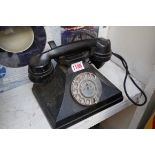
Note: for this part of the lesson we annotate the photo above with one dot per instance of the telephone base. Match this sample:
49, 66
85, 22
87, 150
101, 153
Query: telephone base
58, 105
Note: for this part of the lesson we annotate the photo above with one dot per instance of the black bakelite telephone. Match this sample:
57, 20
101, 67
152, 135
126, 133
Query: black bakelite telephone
74, 89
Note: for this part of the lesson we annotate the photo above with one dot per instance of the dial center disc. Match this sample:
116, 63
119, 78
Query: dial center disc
86, 88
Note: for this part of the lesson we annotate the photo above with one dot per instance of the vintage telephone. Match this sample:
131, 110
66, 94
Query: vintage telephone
73, 89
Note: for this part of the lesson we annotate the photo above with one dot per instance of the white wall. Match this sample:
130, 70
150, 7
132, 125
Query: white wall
137, 46
103, 31
53, 33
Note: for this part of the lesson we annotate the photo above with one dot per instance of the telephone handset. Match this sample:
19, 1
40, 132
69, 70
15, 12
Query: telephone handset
96, 51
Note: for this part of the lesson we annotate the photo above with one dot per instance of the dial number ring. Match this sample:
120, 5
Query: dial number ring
86, 89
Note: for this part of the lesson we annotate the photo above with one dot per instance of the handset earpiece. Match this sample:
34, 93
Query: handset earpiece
102, 52
40, 69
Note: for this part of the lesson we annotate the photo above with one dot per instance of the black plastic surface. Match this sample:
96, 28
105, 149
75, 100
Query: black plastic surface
58, 105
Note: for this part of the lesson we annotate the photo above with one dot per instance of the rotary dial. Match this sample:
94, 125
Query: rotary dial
86, 88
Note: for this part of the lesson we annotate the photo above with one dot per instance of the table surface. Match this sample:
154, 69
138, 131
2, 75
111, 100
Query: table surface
19, 108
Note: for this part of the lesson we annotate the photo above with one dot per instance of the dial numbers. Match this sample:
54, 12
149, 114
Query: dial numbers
86, 88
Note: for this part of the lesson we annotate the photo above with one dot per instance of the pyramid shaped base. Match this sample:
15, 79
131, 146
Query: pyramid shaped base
58, 105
